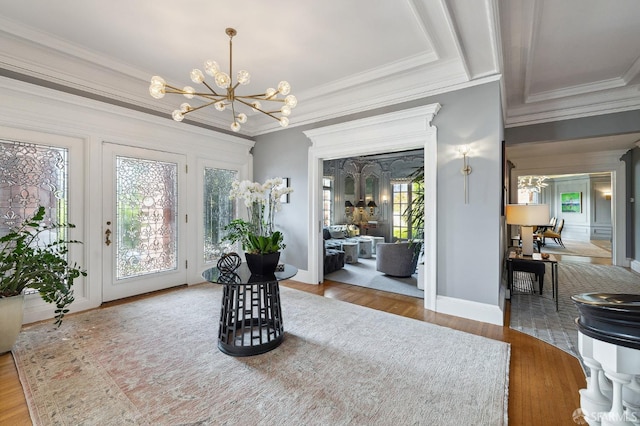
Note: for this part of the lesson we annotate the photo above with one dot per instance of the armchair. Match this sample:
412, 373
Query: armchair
397, 259
556, 235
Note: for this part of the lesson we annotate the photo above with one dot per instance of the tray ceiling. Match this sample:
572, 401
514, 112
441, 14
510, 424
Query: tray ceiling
555, 59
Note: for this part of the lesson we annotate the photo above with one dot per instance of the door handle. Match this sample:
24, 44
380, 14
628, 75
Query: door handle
107, 234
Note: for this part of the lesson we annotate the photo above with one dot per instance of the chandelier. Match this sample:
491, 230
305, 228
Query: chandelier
532, 183
227, 97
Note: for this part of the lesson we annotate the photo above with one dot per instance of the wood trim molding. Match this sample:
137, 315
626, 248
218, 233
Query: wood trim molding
397, 131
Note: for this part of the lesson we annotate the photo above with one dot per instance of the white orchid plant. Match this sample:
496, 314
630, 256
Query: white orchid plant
257, 235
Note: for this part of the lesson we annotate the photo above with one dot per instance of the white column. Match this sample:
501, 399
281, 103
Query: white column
592, 399
622, 366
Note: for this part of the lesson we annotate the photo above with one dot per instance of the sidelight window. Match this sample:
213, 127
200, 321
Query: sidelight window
219, 210
327, 200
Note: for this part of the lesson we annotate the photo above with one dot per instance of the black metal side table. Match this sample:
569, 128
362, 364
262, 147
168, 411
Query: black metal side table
250, 316
519, 262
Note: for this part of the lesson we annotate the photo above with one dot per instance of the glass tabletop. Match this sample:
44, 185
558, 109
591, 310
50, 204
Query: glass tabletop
242, 275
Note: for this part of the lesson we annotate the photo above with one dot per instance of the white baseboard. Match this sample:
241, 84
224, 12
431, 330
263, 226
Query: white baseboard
36, 309
303, 276
475, 311
635, 265
492, 314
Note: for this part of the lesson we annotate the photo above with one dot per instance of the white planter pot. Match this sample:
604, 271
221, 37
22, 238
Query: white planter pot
11, 315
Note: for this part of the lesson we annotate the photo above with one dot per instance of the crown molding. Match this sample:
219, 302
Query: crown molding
69, 111
32, 56
343, 104
580, 89
604, 161
588, 105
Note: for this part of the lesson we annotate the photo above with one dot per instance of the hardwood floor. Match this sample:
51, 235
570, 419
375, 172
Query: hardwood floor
543, 380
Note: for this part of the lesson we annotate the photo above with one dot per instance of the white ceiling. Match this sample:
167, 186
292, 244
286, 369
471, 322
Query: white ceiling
558, 59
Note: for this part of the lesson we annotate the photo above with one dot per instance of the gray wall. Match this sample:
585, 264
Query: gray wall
594, 220
284, 154
578, 128
469, 235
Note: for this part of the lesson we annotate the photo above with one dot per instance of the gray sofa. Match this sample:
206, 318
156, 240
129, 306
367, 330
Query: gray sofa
397, 259
334, 257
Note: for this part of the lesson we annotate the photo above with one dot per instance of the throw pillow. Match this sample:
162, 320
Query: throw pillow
337, 234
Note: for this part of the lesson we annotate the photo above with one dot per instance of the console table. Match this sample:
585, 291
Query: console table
535, 264
250, 315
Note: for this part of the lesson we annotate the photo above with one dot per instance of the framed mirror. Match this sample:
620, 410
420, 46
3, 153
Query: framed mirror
372, 189
349, 188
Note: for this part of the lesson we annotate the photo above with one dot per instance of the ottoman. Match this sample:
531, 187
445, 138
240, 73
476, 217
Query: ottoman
366, 248
350, 252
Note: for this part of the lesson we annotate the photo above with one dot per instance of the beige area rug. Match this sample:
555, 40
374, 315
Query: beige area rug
155, 362
578, 248
536, 315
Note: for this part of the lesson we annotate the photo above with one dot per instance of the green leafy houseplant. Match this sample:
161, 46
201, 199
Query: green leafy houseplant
257, 234
415, 211
26, 262
239, 231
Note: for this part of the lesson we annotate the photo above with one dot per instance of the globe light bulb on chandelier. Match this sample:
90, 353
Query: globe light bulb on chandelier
227, 97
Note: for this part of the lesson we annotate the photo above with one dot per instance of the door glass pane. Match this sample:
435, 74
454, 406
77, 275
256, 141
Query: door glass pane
219, 210
146, 208
31, 176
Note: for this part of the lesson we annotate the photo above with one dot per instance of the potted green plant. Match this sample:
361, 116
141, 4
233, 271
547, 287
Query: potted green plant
27, 261
415, 215
257, 236
415, 210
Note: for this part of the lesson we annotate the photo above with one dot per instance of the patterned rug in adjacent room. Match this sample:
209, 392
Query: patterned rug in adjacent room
155, 362
536, 315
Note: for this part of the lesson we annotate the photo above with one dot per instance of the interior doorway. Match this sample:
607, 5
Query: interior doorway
383, 184
399, 131
585, 221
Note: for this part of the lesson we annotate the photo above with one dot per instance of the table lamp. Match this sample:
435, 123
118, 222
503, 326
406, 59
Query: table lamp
527, 216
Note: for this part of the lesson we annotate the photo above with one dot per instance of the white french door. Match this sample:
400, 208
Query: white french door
143, 221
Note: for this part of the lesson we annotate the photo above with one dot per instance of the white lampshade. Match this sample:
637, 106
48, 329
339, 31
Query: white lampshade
528, 214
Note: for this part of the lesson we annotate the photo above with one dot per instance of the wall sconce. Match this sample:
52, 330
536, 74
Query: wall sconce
372, 205
607, 196
464, 150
